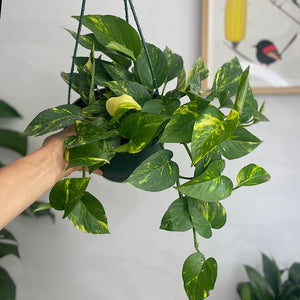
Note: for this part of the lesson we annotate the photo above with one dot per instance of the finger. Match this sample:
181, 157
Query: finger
98, 172
68, 131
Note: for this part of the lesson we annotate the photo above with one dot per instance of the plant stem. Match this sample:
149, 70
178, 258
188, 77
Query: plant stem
83, 172
188, 151
178, 184
196, 244
75, 50
145, 47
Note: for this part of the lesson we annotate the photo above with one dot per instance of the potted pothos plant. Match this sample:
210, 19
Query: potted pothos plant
128, 109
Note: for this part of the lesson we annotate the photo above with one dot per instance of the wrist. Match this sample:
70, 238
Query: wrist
54, 151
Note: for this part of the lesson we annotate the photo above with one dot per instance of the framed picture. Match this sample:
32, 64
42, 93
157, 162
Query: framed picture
262, 34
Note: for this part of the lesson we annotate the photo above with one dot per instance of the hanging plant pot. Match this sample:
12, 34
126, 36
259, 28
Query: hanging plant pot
123, 164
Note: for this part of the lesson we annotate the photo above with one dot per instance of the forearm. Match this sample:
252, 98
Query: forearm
25, 180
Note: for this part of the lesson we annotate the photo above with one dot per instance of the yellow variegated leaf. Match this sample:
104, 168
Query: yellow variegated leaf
210, 130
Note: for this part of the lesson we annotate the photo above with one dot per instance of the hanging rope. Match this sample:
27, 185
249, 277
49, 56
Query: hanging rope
75, 49
127, 18
145, 47
126, 11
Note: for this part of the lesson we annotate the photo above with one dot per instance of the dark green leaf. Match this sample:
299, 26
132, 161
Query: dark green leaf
227, 78
252, 175
91, 66
80, 62
194, 86
177, 217
170, 106
260, 286
6, 235
194, 97
137, 91
86, 155
272, 274
180, 127
40, 209
203, 163
101, 75
215, 213
88, 215
154, 106
210, 130
209, 186
7, 111
258, 115
67, 192
175, 64
114, 33
88, 133
239, 144
211, 190
53, 119
87, 79
156, 173
8, 248
159, 65
75, 81
42, 206
161, 106
116, 72
94, 110
250, 107
107, 146
225, 101
199, 68
7, 286
200, 223
290, 291
141, 128
294, 274
199, 276
89, 41
242, 92
181, 81
13, 140
124, 104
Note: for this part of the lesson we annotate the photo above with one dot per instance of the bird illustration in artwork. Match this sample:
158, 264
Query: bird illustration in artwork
267, 53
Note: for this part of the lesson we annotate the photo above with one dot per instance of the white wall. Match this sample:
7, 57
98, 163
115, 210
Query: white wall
138, 261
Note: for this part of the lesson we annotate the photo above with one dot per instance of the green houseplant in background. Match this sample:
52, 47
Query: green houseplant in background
270, 285
17, 142
134, 95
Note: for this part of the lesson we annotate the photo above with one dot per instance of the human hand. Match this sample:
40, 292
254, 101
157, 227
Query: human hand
55, 144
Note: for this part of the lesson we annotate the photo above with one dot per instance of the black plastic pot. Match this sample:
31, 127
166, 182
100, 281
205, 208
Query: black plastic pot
123, 164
